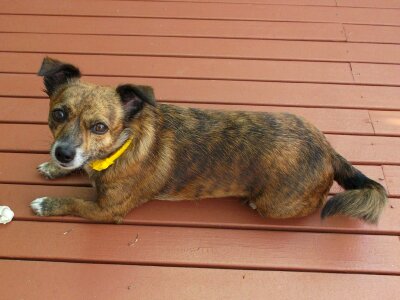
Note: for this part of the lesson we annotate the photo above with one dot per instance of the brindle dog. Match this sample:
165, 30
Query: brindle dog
279, 163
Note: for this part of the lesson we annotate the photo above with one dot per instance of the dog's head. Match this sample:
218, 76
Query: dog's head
88, 121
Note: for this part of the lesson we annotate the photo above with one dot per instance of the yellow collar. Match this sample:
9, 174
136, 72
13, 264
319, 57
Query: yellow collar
102, 164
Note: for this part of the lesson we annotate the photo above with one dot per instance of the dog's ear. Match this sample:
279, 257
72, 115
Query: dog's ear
56, 73
133, 97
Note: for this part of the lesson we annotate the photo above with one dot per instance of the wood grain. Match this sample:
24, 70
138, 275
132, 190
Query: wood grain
200, 247
199, 47
37, 280
232, 92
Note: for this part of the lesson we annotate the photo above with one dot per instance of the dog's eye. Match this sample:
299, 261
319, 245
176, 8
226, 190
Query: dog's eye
99, 128
59, 115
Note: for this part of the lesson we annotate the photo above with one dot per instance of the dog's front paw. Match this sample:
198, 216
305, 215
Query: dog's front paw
38, 205
50, 171
47, 206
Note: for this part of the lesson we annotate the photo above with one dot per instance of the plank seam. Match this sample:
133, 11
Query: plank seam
204, 266
274, 228
209, 56
187, 18
235, 80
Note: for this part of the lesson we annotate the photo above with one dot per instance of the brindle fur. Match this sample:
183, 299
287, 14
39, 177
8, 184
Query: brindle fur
277, 161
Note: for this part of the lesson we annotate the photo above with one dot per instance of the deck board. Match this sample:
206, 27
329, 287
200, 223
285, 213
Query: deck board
198, 47
373, 34
334, 62
173, 27
220, 248
212, 11
233, 92
392, 173
37, 280
192, 68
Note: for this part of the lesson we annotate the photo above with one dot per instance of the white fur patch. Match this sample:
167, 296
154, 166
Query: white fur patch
252, 205
36, 205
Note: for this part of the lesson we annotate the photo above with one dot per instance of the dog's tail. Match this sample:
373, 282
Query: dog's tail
364, 198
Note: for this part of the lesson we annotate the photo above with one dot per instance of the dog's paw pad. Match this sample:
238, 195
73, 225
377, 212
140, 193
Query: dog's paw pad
46, 170
37, 205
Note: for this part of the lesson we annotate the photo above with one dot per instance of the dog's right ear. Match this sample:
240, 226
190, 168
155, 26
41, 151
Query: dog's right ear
56, 73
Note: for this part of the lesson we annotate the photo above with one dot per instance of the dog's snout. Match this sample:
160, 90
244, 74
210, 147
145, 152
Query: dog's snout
65, 154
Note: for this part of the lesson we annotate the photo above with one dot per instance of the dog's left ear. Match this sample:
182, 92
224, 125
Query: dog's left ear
56, 73
134, 97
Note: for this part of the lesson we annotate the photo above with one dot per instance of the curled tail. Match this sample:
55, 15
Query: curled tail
364, 198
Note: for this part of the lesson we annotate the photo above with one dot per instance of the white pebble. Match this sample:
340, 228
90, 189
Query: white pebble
6, 214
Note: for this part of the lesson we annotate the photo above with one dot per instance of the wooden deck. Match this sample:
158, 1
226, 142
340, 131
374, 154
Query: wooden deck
335, 62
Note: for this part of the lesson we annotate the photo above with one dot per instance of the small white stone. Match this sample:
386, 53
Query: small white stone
6, 214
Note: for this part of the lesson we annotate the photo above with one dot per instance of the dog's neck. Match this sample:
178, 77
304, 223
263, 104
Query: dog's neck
102, 164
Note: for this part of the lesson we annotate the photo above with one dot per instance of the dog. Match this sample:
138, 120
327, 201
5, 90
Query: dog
135, 150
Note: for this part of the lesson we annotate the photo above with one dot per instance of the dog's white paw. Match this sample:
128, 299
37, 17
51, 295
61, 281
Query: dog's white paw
252, 205
37, 205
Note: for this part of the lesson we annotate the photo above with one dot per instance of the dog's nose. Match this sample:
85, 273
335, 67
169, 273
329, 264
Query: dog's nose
65, 154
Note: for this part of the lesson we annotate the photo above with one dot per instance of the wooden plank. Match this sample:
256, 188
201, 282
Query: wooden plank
12, 163
392, 173
200, 47
265, 2
220, 11
369, 3
33, 138
328, 120
24, 110
218, 213
121, 282
367, 149
190, 68
376, 73
228, 92
372, 34
386, 122
173, 27
21, 168
358, 149
201, 247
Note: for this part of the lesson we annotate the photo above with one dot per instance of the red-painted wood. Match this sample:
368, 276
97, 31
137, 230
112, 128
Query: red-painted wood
173, 27
191, 68
194, 10
372, 34
177, 246
369, 3
50, 280
376, 73
232, 92
386, 122
392, 173
199, 47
